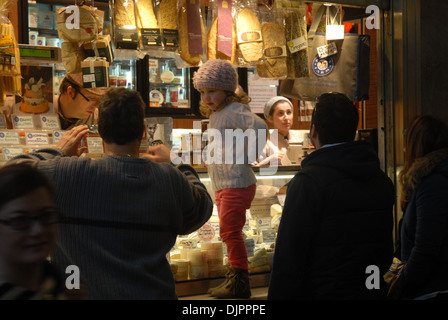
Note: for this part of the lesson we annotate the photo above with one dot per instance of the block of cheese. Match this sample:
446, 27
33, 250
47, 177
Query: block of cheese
276, 209
146, 17
168, 14
212, 44
274, 49
249, 35
184, 50
124, 13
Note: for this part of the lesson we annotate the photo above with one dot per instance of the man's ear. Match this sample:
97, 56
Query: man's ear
314, 136
71, 92
313, 132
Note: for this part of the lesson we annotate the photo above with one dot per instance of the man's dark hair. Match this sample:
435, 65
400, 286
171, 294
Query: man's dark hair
121, 116
335, 118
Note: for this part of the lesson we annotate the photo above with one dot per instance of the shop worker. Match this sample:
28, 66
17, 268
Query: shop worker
278, 112
337, 219
121, 213
77, 105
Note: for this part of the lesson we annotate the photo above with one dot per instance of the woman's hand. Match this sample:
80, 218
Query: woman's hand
71, 140
280, 156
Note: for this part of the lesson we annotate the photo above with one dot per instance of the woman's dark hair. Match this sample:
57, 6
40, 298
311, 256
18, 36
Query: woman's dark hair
121, 116
335, 118
18, 179
425, 134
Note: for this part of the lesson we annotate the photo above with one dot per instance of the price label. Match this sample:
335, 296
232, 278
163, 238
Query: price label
206, 232
335, 32
50, 122
23, 122
36, 138
57, 135
94, 144
297, 44
9, 153
9, 137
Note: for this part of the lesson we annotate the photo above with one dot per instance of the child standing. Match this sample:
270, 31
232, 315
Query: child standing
234, 183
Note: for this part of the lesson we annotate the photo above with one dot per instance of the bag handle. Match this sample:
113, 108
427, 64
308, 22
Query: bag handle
316, 21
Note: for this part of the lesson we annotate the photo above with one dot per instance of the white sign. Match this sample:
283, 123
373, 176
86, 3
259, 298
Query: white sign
9, 137
22, 122
9, 153
260, 91
50, 122
39, 138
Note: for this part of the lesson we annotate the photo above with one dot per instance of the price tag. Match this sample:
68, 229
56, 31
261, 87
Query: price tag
183, 104
22, 122
335, 32
264, 223
327, 50
189, 243
57, 135
39, 138
269, 235
9, 153
297, 44
9, 137
94, 144
206, 232
50, 122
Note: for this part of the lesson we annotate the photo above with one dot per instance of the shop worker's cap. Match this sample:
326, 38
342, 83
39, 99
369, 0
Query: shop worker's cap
271, 102
76, 78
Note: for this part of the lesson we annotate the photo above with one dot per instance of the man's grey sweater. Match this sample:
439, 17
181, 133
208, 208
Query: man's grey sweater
121, 216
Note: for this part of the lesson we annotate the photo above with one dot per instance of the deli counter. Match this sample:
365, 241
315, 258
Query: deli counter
198, 260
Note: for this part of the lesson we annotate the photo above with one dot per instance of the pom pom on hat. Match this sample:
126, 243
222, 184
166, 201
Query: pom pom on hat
271, 102
216, 74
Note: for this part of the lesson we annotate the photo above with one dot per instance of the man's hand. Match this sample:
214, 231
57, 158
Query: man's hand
158, 153
71, 140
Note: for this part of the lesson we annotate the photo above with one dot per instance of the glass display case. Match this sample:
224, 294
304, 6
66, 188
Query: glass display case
198, 260
167, 89
38, 20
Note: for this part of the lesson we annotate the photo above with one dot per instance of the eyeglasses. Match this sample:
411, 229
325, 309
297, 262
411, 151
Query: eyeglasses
87, 99
25, 222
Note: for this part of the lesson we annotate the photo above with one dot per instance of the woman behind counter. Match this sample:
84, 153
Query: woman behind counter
278, 111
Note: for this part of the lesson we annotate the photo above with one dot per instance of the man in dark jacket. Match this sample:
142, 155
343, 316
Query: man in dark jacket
337, 219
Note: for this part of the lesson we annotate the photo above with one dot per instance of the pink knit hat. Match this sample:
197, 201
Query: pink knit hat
216, 74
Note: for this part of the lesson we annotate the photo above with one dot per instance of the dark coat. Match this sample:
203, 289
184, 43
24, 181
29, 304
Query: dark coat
337, 221
424, 226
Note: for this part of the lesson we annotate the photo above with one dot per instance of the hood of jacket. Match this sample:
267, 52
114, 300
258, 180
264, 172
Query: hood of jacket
424, 166
356, 159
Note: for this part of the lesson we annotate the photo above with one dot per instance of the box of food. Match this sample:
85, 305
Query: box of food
95, 72
100, 47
